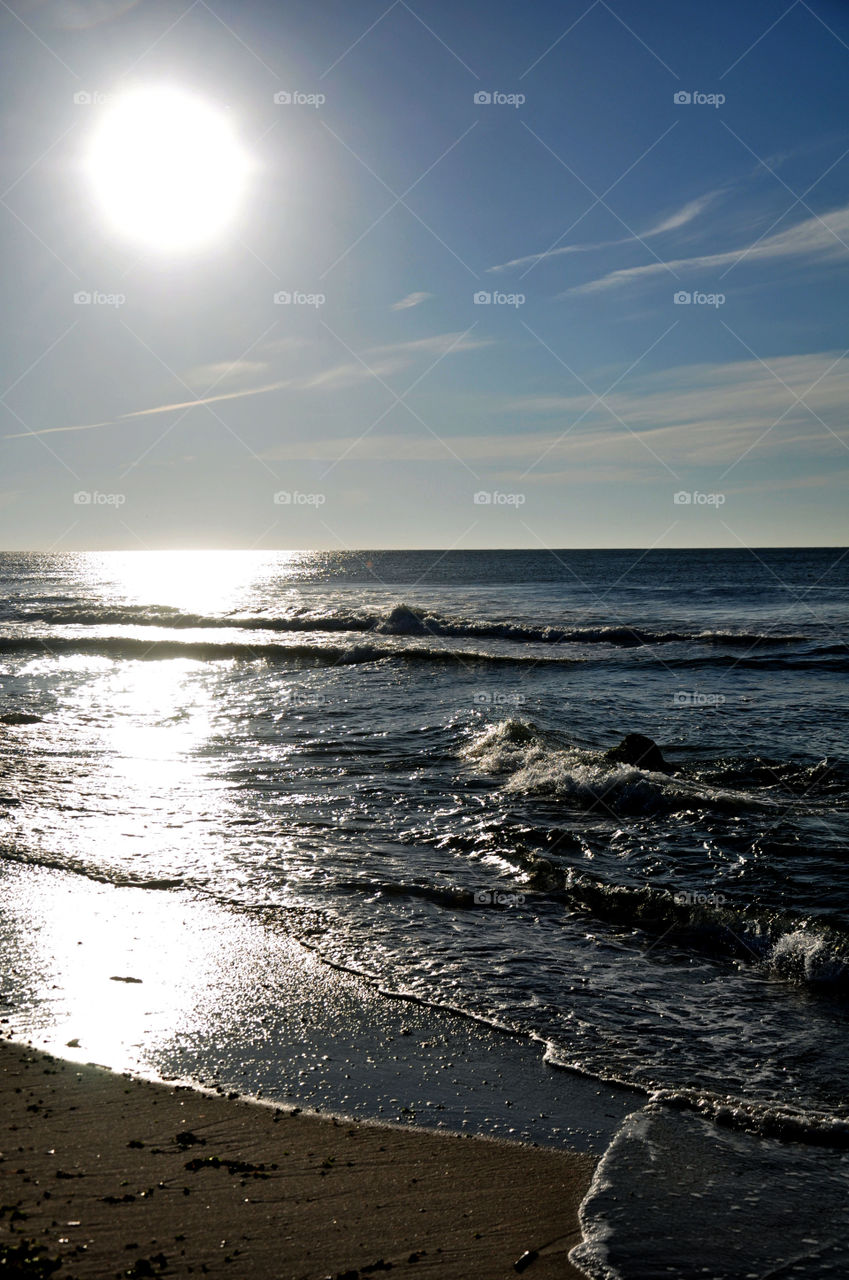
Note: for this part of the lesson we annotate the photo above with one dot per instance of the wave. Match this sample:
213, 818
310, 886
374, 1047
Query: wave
530, 761
317, 654
825, 777
115, 876
400, 620
790, 947
533, 762
673, 1195
447, 896
764, 1119
815, 658
793, 948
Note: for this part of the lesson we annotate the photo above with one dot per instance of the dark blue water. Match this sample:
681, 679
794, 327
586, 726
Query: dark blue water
403, 755
400, 757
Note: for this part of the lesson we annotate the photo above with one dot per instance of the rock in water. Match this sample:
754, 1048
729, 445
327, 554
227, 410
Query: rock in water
640, 751
19, 717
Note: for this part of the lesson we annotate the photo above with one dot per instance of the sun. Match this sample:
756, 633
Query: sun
167, 169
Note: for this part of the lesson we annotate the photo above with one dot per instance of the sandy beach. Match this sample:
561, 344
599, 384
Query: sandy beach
111, 1176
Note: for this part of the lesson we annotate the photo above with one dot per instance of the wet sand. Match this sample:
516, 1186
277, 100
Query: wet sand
120, 1177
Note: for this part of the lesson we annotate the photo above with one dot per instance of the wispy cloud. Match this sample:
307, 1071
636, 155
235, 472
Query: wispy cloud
394, 357
712, 414
347, 374
144, 413
673, 222
692, 416
815, 239
51, 431
202, 400
208, 375
680, 218
438, 342
378, 362
561, 252
411, 300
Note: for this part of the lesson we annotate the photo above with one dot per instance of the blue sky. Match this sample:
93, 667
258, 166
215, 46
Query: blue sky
381, 400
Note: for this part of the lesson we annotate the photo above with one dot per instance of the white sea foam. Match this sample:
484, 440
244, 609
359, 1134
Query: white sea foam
675, 1195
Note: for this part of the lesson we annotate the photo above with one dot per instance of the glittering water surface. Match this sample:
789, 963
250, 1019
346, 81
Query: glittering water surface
400, 757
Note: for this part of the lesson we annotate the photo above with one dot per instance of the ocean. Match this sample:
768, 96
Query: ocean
401, 759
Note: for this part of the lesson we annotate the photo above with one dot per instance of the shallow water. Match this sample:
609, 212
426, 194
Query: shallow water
400, 758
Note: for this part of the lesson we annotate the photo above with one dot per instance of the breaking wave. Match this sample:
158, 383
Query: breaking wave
400, 620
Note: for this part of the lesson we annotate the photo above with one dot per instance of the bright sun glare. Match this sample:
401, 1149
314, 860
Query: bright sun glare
167, 169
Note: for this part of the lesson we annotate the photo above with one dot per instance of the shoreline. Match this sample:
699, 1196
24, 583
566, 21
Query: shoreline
411, 1132
90, 976
124, 1177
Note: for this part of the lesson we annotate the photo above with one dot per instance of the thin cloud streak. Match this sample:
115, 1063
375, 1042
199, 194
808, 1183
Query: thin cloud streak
411, 300
686, 214
695, 414
394, 358
193, 404
814, 239
50, 431
144, 413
